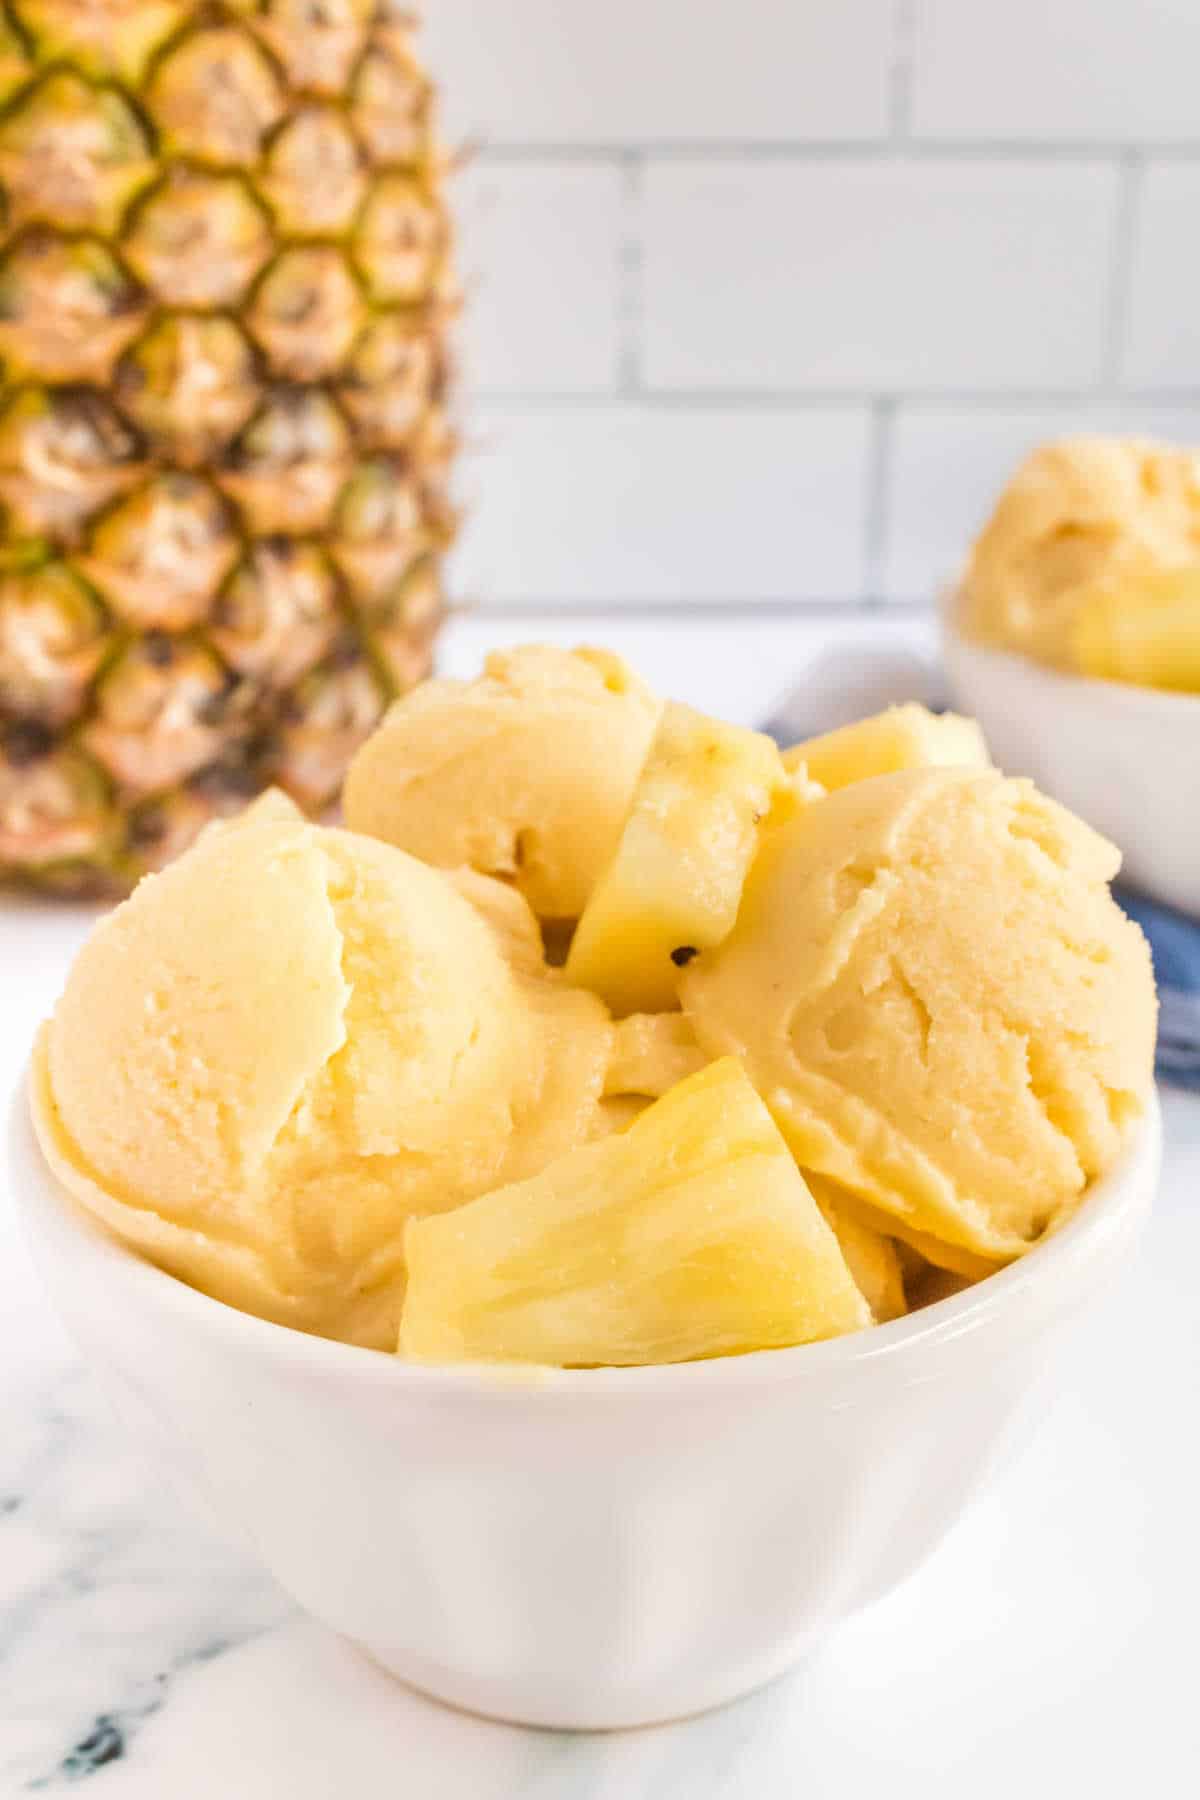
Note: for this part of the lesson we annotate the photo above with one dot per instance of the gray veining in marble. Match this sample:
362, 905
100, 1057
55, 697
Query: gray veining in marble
108, 1594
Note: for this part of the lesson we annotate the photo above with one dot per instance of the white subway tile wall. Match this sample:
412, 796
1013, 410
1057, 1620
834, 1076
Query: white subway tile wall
632, 505
765, 302
1162, 346
618, 72
789, 276
1100, 71
542, 269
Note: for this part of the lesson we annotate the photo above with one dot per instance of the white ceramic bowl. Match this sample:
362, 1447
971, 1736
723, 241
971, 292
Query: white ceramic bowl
587, 1548
1125, 758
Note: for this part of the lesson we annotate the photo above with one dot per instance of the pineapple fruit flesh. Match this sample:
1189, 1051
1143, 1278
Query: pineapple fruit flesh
691, 1234
903, 737
224, 300
952, 1259
872, 1257
675, 880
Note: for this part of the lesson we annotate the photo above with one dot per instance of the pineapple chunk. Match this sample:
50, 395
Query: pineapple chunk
903, 737
952, 1258
675, 880
690, 1234
871, 1255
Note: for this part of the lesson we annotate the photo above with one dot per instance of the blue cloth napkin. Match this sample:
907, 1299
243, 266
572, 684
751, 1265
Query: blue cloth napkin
847, 685
1175, 947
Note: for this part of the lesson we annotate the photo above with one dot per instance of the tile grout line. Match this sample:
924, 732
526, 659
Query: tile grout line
994, 402
1120, 293
712, 612
631, 257
884, 148
876, 508
900, 72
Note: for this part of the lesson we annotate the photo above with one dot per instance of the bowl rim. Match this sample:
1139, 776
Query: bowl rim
1099, 1219
1129, 696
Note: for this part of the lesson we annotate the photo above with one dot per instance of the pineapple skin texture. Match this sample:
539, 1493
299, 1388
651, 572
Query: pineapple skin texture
225, 295
675, 880
689, 1235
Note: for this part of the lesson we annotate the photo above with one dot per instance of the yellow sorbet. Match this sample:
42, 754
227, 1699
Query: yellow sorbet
1089, 517
291, 1042
935, 993
525, 773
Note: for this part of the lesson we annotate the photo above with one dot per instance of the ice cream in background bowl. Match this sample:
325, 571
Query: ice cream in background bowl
1073, 634
1090, 562
674, 1299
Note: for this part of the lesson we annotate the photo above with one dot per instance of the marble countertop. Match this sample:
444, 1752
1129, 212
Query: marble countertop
1049, 1644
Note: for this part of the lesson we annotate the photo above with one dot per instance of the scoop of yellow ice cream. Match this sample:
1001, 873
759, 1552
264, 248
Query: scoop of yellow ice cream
289, 1043
525, 773
1146, 630
1078, 515
938, 998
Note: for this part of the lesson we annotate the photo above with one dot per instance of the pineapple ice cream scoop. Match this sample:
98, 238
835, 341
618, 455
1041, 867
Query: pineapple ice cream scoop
1091, 562
279, 1050
932, 988
525, 773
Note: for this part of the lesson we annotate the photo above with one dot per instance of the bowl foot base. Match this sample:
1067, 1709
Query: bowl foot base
550, 1705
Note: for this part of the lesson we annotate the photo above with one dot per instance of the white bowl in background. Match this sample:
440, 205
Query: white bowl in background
1125, 758
583, 1548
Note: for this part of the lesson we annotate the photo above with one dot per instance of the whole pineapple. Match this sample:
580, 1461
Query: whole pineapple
224, 293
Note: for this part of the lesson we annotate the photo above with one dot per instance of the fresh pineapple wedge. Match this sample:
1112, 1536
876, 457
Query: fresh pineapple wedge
953, 1259
690, 1234
675, 880
903, 737
871, 1256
